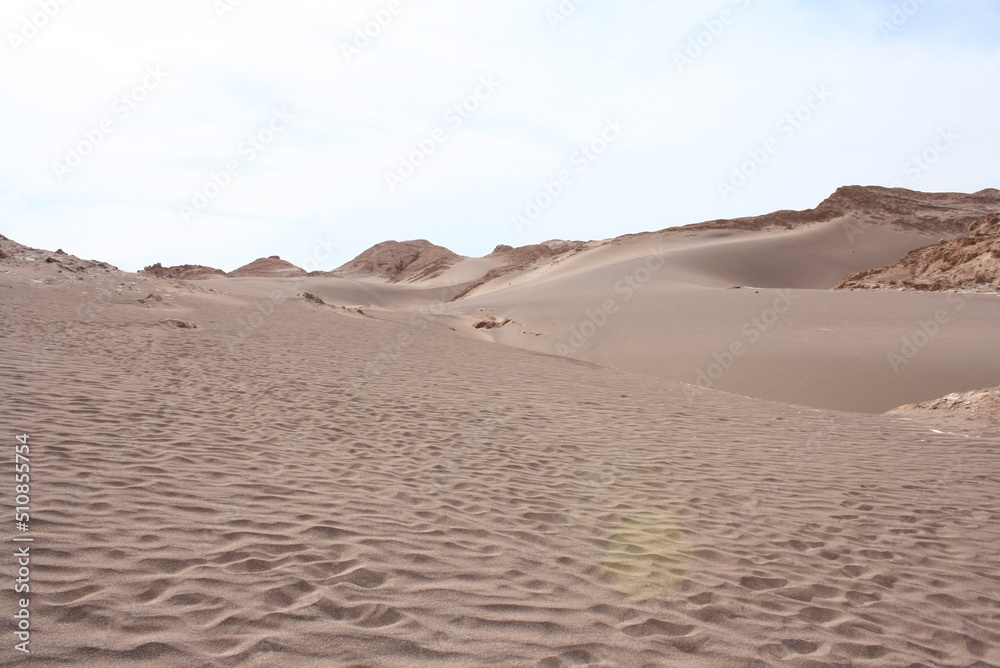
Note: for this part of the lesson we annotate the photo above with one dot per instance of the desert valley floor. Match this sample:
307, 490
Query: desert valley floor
382, 485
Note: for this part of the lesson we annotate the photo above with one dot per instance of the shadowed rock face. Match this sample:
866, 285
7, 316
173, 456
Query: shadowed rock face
970, 261
184, 272
400, 261
268, 267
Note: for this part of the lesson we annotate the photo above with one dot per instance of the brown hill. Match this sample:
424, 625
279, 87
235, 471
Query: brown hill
968, 262
400, 261
268, 267
184, 272
936, 213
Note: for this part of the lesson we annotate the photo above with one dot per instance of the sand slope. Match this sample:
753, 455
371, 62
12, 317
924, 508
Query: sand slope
309, 488
660, 303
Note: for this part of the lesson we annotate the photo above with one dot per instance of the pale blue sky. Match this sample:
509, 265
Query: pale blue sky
886, 81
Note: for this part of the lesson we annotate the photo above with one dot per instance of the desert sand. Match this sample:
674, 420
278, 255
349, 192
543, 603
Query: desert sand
364, 478
660, 303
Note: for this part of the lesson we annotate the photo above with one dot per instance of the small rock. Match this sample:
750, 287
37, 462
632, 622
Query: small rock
310, 297
491, 323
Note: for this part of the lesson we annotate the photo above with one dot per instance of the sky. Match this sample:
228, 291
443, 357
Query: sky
219, 131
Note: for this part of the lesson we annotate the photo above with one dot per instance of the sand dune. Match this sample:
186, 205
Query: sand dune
313, 489
661, 308
659, 303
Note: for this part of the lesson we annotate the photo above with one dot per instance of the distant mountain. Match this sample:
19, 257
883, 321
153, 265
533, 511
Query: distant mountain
400, 261
931, 213
945, 215
268, 267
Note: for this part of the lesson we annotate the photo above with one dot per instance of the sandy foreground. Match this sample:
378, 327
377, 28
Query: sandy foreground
293, 484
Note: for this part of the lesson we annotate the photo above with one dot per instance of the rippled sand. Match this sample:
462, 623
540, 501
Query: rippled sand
312, 487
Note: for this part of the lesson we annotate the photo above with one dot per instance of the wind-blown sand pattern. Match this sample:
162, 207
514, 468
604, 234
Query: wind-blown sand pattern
209, 500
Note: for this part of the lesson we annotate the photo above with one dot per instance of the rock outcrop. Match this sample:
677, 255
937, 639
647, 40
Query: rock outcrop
981, 404
969, 262
184, 272
14, 253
